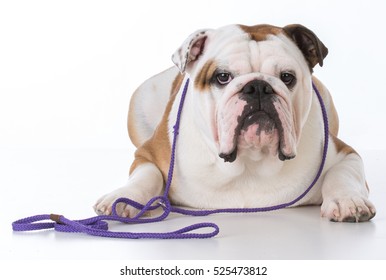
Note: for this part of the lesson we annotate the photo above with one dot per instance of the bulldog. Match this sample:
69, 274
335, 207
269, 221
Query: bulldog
251, 131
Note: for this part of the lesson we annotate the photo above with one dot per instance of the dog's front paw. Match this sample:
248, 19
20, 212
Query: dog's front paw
355, 208
104, 205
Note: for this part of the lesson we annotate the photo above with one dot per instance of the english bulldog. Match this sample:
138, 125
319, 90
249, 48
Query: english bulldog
251, 132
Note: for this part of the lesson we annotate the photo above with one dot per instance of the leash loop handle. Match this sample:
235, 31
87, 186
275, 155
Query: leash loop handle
97, 226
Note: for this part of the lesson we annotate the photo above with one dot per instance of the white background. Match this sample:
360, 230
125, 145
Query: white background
67, 71
68, 68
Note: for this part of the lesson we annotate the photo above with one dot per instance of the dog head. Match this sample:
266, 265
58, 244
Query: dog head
252, 86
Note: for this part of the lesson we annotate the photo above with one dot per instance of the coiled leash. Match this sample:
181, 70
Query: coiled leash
98, 226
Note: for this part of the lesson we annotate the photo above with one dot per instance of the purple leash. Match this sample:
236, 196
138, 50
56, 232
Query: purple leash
98, 226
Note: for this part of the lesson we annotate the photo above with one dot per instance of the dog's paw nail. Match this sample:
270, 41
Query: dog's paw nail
99, 211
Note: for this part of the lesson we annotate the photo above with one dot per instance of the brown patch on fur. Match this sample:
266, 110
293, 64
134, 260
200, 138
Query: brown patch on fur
260, 32
157, 149
177, 84
342, 147
203, 80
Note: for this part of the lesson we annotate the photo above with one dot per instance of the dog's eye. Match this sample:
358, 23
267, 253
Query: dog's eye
288, 78
223, 78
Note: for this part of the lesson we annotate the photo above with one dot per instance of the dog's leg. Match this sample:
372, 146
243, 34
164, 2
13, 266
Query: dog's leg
145, 182
345, 192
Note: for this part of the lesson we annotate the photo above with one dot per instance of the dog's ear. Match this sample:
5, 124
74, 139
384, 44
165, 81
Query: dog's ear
190, 50
312, 48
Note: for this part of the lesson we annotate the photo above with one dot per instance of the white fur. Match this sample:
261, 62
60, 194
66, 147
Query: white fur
203, 180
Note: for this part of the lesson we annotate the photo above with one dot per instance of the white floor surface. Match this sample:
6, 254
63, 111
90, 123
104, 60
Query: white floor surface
69, 181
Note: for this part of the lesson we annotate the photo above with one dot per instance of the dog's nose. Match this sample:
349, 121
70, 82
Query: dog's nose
256, 88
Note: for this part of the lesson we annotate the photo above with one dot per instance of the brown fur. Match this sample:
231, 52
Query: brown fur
260, 32
202, 82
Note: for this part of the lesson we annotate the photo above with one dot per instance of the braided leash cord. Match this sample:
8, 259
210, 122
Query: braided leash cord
98, 226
